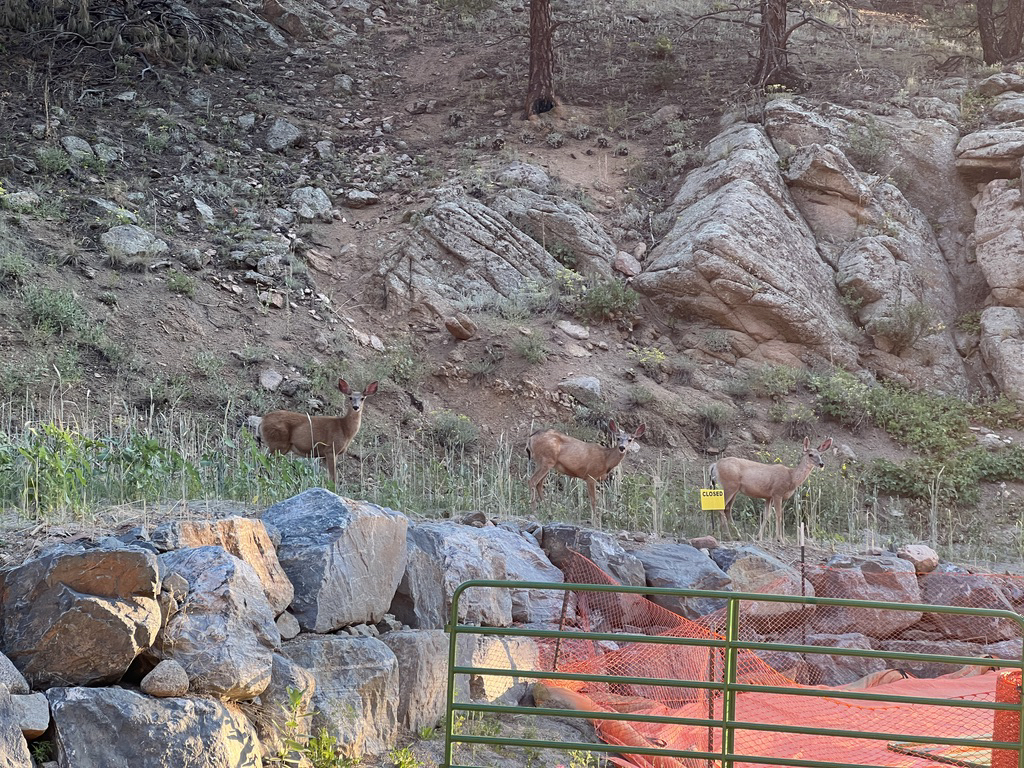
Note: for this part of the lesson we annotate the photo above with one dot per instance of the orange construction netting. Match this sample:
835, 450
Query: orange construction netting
610, 612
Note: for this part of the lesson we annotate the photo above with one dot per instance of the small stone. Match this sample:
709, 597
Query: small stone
288, 626
270, 380
167, 679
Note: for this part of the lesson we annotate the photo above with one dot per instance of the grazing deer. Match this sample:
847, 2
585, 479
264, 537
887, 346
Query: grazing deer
553, 450
324, 437
772, 482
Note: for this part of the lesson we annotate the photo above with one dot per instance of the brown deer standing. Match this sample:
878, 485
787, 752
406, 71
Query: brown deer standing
323, 437
589, 462
772, 482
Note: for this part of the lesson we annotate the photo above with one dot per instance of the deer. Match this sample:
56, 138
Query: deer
574, 458
324, 437
772, 482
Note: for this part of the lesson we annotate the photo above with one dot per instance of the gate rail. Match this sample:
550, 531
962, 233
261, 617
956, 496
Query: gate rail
728, 686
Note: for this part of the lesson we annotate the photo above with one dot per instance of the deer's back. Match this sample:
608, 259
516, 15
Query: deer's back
286, 431
754, 478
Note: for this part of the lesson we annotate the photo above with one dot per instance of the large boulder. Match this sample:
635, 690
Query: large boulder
245, 538
356, 697
422, 675
991, 153
999, 241
562, 539
967, 590
856, 577
79, 617
13, 747
10, 677
680, 566
559, 223
288, 698
344, 557
1002, 347
837, 669
741, 257
754, 570
120, 728
224, 633
525, 561
441, 557
462, 248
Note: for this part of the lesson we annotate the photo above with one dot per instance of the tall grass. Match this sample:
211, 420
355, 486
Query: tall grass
62, 461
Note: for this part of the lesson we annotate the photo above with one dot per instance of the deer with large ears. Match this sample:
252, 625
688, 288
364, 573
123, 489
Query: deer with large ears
324, 437
567, 455
772, 482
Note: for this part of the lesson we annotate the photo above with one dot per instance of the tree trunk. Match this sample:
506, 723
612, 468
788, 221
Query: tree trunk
773, 58
987, 31
1013, 31
540, 93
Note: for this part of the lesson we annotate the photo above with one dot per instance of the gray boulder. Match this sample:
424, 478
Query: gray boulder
422, 675
32, 713
441, 557
599, 547
356, 696
753, 570
224, 633
552, 220
13, 747
825, 669
282, 134
680, 566
741, 257
311, 203
166, 679
276, 705
245, 538
1002, 347
128, 242
463, 248
79, 616
139, 730
11, 678
344, 557
525, 561
513, 653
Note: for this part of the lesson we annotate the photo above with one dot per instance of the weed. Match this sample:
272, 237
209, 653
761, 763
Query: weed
969, 322
641, 396
53, 160
842, 397
650, 359
868, 146
532, 349
14, 268
908, 324
53, 311
798, 419
714, 421
400, 365
775, 381
295, 740
403, 758
596, 299
42, 750
716, 342
453, 430
181, 284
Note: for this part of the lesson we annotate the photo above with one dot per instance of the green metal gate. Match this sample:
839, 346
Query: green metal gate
728, 688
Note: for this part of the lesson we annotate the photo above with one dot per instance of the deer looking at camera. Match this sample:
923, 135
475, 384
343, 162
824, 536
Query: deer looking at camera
323, 437
772, 482
567, 455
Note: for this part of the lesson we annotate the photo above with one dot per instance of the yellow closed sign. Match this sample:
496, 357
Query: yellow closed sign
712, 500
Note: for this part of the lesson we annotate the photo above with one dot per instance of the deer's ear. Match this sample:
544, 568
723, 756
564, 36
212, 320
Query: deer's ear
807, 443
343, 386
371, 388
826, 445
612, 426
640, 430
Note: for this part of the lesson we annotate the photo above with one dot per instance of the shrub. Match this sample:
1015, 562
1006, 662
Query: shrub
798, 419
650, 359
532, 349
180, 283
53, 311
842, 397
595, 300
775, 381
908, 324
453, 430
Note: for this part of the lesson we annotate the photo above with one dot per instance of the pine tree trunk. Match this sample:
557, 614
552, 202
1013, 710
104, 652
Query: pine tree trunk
540, 94
772, 59
1013, 32
987, 31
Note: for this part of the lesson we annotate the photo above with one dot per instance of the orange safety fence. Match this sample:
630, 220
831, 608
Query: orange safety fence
631, 613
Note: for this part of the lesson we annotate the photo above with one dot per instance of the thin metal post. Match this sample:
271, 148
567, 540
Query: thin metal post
732, 632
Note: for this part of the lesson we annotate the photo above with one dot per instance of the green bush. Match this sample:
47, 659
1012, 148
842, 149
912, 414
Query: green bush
53, 311
775, 381
908, 324
597, 299
842, 397
453, 430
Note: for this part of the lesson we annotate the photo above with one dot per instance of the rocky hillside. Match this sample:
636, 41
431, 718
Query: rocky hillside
347, 191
